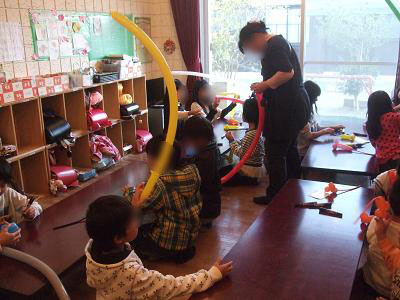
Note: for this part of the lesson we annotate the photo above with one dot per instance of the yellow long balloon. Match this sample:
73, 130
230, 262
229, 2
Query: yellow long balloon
173, 98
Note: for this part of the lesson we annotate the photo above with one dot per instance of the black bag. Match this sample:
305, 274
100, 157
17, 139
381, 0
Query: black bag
56, 128
129, 110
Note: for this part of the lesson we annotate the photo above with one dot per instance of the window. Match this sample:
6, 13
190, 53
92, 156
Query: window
350, 48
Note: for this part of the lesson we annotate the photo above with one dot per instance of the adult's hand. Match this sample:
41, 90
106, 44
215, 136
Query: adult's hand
259, 87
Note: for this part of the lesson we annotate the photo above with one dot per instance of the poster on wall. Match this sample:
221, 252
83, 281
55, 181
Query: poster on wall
145, 24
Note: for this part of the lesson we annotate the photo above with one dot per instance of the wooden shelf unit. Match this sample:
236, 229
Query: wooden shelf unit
21, 124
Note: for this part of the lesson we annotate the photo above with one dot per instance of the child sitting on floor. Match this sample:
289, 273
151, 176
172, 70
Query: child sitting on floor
312, 130
13, 205
114, 269
376, 273
176, 203
201, 148
253, 169
383, 127
383, 182
204, 100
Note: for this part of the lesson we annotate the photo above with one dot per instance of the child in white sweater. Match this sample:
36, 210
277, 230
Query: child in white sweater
114, 269
13, 204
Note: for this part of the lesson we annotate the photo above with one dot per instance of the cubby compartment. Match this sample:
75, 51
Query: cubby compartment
60, 156
111, 101
28, 126
97, 88
34, 171
114, 133
128, 88
139, 90
54, 104
142, 122
17, 174
76, 110
129, 135
81, 155
7, 131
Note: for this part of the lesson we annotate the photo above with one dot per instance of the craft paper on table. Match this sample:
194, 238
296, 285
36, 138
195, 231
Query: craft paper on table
41, 32
80, 41
52, 29
54, 49
320, 194
43, 48
97, 28
65, 46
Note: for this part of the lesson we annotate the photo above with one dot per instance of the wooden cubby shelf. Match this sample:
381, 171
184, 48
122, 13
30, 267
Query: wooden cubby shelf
22, 124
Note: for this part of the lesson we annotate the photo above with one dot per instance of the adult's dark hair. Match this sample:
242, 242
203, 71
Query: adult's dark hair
394, 198
197, 128
379, 103
106, 218
154, 148
246, 33
198, 85
250, 110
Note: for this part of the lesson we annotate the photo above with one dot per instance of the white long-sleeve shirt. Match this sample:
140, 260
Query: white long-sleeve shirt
13, 204
129, 279
205, 111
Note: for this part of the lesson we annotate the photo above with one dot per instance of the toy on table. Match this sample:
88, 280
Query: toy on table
13, 227
348, 137
233, 122
234, 127
341, 147
331, 188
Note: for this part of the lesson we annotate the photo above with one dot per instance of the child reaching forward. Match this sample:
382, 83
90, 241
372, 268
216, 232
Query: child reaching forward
376, 273
12, 203
253, 169
204, 100
383, 127
312, 130
114, 269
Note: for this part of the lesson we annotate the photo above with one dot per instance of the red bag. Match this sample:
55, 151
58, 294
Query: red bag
97, 119
142, 138
66, 174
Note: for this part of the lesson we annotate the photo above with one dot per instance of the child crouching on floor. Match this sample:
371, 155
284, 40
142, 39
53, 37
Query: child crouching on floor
376, 273
114, 269
253, 169
14, 205
201, 149
176, 203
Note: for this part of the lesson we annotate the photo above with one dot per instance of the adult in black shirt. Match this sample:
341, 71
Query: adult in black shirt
285, 100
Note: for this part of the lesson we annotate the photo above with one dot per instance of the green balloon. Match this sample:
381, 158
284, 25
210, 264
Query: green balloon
393, 8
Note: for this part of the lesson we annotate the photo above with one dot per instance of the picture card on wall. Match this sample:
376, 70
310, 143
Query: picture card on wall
52, 29
63, 29
65, 46
43, 48
80, 41
41, 32
54, 49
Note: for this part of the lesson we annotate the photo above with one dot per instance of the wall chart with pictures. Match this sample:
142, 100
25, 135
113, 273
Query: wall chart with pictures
58, 34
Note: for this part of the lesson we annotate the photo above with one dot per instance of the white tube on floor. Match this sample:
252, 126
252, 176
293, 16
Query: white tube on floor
41, 267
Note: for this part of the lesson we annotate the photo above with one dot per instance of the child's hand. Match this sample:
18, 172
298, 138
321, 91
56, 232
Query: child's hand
229, 136
328, 130
381, 227
137, 195
195, 112
7, 238
225, 269
338, 127
216, 103
29, 213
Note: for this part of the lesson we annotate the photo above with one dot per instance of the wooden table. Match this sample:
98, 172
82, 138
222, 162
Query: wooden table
60, 249
321, 157
293, 253
219, 133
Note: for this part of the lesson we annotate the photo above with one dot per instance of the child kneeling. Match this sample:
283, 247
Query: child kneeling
114, 269
176, 203
253, 168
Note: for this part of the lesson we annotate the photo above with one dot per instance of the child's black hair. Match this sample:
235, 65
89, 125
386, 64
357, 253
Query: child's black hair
197, 128
246, 33
379, 103
250, 111
106, 218
154, 148
6, 175
314, 91
394, 198
198, 85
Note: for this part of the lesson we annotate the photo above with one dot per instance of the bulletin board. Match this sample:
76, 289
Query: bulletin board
64, 34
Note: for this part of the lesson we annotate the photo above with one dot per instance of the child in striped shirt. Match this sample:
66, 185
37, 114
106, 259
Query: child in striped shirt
253, 169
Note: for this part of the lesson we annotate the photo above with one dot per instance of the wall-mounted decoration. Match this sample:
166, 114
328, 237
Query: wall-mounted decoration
11, 42
169, 47
142, 53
